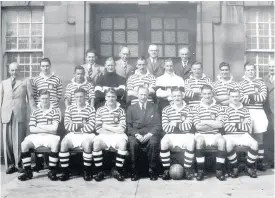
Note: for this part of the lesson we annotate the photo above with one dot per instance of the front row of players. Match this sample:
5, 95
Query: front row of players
104, 129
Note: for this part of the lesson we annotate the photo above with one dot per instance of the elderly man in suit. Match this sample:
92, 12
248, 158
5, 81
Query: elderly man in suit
144, 130
183, 68
123, 68
155, 66
13, 105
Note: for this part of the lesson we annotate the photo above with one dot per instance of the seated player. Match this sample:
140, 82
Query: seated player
208, 119
177, 120
166, 82
43, 128
237, 128
194, 83
110, 80
80, 123
142, 77
79, 81
144, 129
110, 125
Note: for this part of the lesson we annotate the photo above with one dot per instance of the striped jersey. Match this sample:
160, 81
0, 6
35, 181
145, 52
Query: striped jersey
235, 117
74, 116
256, 90
71, 87
137, 79
115, 117
183, 116
202, 112
192, 87
53, 84
46, 117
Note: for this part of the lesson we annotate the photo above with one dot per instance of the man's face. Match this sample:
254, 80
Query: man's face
79, 98
45, 100
234, 98
184, 54
110, 98
224, 72
13, 70
124, 54
79, 75
45, 68
271, 67
153, 51
249, 71
141, 66
110, 66
197, 70
90, 58
169, 68
143, 95
207, 95
177, 97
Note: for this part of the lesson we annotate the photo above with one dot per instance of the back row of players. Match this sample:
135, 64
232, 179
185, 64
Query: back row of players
178, 100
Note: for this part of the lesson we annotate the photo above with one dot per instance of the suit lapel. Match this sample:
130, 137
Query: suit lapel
17, 84
148, 113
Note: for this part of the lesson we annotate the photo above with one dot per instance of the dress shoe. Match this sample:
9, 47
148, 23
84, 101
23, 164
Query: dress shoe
11, 170
26, 176
64, 176
188, 174
261, 166
200, 175
118, 175
134, 177
20, 170
87, 176
234, 173
99, 176
52, 175
153, 175
220, 175
251, 172
166, 175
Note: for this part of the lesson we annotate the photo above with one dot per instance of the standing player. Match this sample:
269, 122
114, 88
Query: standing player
80, 123
194, 83
254, 93
208, 119
237, 127
43, 128
177, 120
79, 81
110, 125
141, 78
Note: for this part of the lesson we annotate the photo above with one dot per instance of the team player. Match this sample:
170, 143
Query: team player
43, 128
110, 125
177, 120
143, 78
80, 123
79, 81
224, 84
254, 94
237, 127
194, 83
208, 119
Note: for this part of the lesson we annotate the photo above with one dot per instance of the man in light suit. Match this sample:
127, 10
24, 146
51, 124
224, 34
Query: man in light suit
183, 68
123, 68
155, 66
13, 105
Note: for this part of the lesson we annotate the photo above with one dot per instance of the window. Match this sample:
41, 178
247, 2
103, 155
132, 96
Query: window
260, 43
24, 39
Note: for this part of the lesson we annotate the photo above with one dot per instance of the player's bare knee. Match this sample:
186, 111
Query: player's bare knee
25, 146
199, 142
164, 143
122, 144
221, 143
191, 145
254, 145
229, 146
87, 145
64, 146
97, 145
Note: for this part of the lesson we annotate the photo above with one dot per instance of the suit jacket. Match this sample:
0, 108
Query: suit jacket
120, 69
269, 104
13, 100
142, 122
183, 72
99, 71
156, 69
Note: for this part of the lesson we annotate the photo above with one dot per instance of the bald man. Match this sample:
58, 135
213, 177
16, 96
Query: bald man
183, 68
155, 66
13, 105
123, 68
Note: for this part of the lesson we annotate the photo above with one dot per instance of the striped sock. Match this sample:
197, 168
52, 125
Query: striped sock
251, 157
200, 158
87, 160
165, 159
26, 160
120, 158
64, 158
261, 152
232, 158
53, 159
98, 158
220, 159
188, 158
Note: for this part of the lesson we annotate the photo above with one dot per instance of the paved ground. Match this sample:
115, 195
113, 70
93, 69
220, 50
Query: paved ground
40, 186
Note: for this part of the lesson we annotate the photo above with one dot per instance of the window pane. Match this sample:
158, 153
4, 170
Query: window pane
36, 57
24, 29
169, 23
251, 43
263, 29
37, 16
117, 50
160, 53
156, 23
119, 23
251, 16
36, 43
106, 23
132, 37
11, 29
119, 37
11, 43
23, 43
272, 42
156, 37
11, 16
133, 50
169, 37
106, 50
263, 15
106, 37
251, 29
251, 57
24, 58
24, 16
264, 43
183, 37
132, 23
182, 23
11, 57
272, 29
170, 50
36, 29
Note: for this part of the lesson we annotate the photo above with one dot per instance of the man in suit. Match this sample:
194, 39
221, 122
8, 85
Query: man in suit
144, 130
155, 66
13, 105
183, 68
123, 68
92, 70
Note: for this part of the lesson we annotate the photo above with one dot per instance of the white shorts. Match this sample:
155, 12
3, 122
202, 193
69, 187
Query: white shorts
78, 138
180, 140
43, 139
240, 139
259, 120
111, 139
210, 139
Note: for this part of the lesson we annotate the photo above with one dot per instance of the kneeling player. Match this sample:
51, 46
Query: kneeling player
80, 123
110, 124
208, 119
237, 134
43, 127
177, 121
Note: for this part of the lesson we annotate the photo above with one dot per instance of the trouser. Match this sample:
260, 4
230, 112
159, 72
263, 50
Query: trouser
269, 140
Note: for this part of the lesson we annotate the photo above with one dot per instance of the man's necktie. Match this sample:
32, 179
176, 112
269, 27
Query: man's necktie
271, 78
125, 66
90, 71
13, 82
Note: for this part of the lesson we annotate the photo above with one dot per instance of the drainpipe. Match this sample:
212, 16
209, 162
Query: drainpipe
201, 32
84, 31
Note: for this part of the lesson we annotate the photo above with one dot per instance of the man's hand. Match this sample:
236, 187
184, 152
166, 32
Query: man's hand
139, 137
245, 121
146, 137
174, 123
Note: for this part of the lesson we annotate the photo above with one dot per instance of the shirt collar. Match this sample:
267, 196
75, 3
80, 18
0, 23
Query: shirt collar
234, 107
152, 60
45, 112
140, 105
175, 107
246, 78
138, 73
192, 77
79, 84
45, 77
80, 109
202, 104
225, 81
184, 62
169, 75
111, 110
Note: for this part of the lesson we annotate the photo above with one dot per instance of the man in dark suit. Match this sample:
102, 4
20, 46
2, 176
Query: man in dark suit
123, 68
183, 68
155, 66
144, 130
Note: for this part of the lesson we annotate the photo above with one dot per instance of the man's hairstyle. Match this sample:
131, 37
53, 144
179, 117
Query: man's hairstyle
110, 59
45, 60
90, 51
111, 90
198, 63
44, 92
234, 91
80, 90
168, 60
184, 47
224, 64
141, 58
122, 47
248, 64
142, 87
205, 86
176, 89
78, 67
